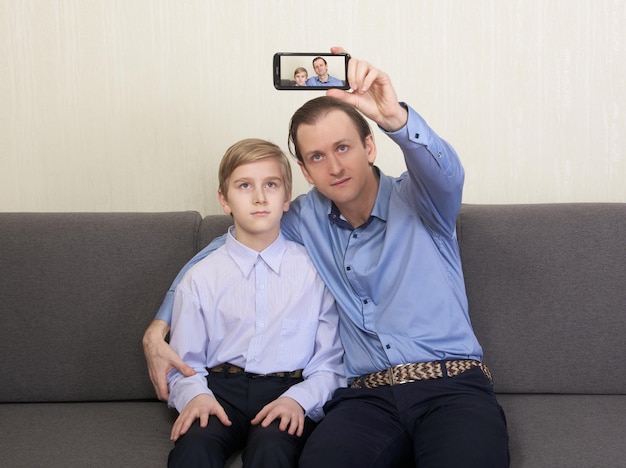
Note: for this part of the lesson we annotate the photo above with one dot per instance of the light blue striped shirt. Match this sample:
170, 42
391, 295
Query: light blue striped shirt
265, 312
397, 280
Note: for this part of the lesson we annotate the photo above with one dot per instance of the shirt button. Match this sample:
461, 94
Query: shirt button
261, 324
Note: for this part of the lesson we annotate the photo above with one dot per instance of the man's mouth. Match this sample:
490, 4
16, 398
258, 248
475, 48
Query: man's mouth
340, 183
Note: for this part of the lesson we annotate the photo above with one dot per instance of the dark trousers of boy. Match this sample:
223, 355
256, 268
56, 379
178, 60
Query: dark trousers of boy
242, 396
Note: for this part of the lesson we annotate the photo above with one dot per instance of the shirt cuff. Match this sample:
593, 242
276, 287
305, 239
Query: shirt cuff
416, 130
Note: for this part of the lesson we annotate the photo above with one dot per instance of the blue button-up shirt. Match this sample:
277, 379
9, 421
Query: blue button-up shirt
332, 81
397, 280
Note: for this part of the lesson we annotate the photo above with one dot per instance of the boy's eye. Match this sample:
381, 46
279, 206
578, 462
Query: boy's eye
271, 184
244, 185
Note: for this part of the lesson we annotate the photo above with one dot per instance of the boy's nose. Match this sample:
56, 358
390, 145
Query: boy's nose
259, 196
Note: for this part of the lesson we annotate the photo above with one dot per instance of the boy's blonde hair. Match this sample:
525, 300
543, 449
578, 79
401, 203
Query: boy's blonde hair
300, 70
251, 150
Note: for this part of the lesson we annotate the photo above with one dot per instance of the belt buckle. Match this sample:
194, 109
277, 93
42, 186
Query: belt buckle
392, 376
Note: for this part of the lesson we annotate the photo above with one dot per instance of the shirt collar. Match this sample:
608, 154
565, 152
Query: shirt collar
381, 205
246, 258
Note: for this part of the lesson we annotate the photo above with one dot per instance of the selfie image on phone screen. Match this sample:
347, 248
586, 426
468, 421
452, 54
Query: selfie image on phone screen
310, 70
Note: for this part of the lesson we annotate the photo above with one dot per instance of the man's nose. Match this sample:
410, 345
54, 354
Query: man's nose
334, 166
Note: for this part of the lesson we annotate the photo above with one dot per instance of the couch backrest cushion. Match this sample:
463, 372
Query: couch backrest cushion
76, 294
545, 286
213, 226
547, 294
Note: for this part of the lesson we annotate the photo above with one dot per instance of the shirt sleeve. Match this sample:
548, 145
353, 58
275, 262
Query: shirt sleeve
189, 340
324, 372
290, 222
165, 310
435, 173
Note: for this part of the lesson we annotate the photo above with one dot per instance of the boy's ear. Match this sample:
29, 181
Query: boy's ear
287, 202
305, 173
223, 202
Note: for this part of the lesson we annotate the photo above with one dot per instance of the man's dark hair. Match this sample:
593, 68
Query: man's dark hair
314, 110
318, 58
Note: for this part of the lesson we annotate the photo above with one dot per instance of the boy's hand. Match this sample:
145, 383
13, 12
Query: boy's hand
161, 358
288, 410
200, 407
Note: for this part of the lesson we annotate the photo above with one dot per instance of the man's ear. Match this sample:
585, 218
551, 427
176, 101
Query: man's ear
223, 202
370, 148
305, 173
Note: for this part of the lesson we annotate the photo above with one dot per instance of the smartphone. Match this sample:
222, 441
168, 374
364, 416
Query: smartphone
307, 71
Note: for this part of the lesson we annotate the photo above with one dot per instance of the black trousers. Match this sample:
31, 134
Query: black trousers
242, 398
449, 422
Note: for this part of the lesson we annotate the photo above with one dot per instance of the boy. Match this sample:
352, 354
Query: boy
256, 322
300, 75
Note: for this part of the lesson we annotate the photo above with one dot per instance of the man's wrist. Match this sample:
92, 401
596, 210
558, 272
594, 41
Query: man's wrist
156, 331
398, 120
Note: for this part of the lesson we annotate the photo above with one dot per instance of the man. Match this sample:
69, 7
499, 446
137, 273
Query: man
323, 78
386, 247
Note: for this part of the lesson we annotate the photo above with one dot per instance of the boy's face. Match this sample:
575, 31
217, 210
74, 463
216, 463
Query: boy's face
256, 199
300, 78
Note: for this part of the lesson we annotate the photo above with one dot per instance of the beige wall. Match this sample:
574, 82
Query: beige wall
128, 105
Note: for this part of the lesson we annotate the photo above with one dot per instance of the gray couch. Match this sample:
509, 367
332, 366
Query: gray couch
546, 287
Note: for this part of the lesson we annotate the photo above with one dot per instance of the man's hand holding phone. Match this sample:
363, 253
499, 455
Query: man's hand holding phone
372, 93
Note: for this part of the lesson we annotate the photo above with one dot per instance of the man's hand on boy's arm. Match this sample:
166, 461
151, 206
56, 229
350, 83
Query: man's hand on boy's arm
200, 407
287, 410
161, 358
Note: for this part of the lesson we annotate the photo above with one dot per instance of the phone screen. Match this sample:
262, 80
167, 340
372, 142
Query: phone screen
307, 71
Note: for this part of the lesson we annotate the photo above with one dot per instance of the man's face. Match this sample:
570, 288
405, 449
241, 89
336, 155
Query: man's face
320, 67
336, 161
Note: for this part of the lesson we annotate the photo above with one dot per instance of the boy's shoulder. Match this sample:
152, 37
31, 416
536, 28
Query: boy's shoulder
293, 248
212, 262
295, 252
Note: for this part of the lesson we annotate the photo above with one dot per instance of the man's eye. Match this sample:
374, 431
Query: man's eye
316, 157
342, 148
